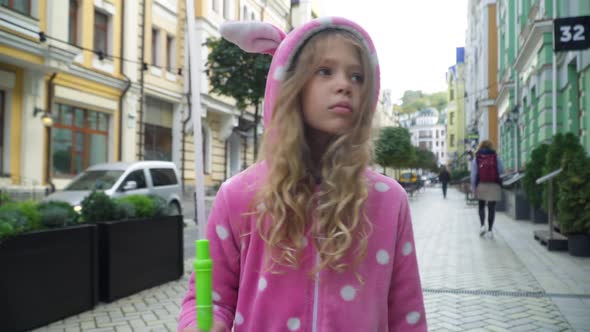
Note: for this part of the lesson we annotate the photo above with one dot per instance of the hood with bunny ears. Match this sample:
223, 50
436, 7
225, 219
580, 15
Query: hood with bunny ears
261, 37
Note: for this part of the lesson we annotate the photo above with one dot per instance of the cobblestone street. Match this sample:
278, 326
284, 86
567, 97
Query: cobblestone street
508, 283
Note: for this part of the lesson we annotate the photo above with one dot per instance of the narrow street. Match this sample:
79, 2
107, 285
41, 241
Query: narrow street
508, 283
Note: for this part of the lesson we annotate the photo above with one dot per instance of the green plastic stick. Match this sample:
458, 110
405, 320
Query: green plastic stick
203, 285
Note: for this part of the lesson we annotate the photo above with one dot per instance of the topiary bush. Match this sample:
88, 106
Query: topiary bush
57, 214
534, 170
98, 207
574, 196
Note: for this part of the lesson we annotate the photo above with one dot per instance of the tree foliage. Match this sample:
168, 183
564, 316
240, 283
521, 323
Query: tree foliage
413, 101
235, 73
394, 147
424, 159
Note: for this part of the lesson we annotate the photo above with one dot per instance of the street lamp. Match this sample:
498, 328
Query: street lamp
45, 118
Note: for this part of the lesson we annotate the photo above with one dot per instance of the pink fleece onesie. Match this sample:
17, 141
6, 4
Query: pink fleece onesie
249, 298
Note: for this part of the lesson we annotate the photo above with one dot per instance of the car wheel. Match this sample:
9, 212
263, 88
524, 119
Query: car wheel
174, 209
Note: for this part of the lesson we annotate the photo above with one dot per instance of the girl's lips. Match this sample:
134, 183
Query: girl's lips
341, 109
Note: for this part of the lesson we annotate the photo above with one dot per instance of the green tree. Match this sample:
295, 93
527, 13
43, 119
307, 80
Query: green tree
394, 147
413, 101
235, 73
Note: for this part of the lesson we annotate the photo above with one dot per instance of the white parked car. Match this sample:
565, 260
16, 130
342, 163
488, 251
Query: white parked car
159, 178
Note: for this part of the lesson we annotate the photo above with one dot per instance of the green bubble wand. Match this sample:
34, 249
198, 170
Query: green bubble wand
203, 266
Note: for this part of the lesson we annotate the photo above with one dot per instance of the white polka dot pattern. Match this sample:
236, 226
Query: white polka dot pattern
382, 257
221, 232
293, 324
239, 319
348, 293
381, 187
413, 317
407, 249
216, 296
279, 73
262, 283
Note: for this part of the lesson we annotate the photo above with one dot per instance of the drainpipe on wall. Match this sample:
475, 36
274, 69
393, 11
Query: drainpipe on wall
141, 85
120, 150
184, 124
49, 108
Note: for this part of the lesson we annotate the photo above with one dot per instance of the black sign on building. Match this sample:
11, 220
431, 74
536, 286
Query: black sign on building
571, 33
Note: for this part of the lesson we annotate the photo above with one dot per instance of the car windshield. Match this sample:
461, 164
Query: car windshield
95, 180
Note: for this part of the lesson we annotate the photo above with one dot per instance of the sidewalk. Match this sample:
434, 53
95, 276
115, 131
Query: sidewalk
509, 283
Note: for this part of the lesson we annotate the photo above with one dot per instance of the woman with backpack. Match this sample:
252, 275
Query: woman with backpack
485, 183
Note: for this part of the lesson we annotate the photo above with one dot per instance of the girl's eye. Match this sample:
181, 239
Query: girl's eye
324, 71
357, 77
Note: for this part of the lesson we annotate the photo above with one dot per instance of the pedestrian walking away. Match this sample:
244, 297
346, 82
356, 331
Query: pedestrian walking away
310, 238
444, 177
486, 184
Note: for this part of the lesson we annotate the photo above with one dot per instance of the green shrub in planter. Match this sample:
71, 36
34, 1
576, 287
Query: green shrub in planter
144, 205
574, 198
57, 214
561, 144
98, 207
534, 170
161, 208
5, 198
16, 218
124, 210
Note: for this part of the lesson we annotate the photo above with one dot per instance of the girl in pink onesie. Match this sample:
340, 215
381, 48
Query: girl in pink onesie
310, 238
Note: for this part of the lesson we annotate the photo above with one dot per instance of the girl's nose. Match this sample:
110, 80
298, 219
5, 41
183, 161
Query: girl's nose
343, 84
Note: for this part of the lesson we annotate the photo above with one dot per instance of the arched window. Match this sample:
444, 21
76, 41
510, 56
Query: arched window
245, 13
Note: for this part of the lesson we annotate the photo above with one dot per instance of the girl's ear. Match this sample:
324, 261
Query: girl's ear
252, 36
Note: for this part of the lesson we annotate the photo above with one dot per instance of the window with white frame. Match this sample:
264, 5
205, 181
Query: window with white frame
252, 17
156, 48
245, 13
215, 6
101, 32
21, 6
73, 23
170, 53
226, 9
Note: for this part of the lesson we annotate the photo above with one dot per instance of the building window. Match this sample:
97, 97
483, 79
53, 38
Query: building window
2, 102
452, 140
79, 139
170, 53
156, 47
252, 17
73, 23
21, 6
245, 13
451, 118
437, 141
158, 130
215, 5
452, 95
101, 29
226, 9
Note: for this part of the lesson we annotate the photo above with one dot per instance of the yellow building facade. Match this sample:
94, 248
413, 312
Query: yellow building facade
59, 60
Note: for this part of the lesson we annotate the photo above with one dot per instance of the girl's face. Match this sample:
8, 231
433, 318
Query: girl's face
332, 95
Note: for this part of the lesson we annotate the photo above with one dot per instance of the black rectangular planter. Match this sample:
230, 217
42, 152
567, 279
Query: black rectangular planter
517, 205
538, 216
138, 254
46, 276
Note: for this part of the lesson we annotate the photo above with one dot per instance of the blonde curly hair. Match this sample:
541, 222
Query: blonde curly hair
289, 199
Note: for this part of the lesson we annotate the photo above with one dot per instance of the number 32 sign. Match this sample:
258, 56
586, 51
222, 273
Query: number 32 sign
571, 33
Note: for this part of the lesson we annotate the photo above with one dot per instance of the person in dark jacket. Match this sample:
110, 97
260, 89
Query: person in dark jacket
486, 189
444, 177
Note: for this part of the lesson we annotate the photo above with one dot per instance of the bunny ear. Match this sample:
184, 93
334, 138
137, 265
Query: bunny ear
253, 37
